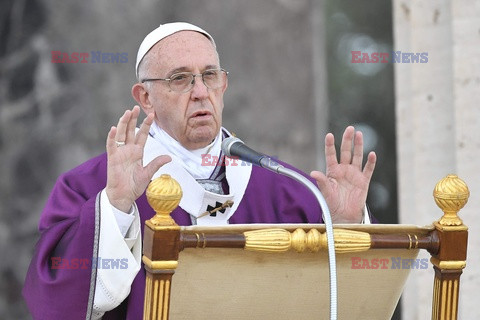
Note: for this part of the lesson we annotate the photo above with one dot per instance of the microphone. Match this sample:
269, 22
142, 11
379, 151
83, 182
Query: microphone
234, 147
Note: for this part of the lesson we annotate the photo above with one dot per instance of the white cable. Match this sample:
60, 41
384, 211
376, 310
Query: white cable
233, 146
329, 230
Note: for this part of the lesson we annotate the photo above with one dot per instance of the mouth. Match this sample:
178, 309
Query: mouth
202, 114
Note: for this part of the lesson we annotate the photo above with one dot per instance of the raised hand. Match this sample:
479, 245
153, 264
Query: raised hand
345, 184
127, 178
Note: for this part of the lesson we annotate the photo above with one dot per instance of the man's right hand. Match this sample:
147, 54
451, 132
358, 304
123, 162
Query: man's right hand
127, 178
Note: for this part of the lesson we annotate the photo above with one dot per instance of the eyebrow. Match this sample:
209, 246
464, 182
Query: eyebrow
186, 69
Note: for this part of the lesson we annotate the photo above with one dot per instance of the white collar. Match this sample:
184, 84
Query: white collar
194, 195
191, 160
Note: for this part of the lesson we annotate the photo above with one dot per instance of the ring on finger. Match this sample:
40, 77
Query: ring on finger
119, 143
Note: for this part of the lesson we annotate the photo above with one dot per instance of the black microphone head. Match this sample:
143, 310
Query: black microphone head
227, 145
235, 148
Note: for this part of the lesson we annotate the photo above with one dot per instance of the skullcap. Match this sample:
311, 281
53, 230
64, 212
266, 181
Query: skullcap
163, 31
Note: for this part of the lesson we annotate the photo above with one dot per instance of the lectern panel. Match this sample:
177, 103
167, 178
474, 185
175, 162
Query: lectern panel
236, 284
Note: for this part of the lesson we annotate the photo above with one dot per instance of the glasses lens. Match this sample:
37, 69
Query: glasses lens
181, 82
214, 78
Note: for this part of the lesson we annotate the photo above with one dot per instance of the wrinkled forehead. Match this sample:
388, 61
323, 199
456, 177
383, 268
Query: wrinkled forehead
183, 51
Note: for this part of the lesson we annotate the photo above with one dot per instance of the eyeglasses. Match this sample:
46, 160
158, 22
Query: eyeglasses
184, 81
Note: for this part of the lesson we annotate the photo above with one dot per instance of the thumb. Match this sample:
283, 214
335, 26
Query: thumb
156, 164
322, 180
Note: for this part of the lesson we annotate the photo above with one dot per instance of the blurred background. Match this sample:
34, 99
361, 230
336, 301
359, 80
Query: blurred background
291, 81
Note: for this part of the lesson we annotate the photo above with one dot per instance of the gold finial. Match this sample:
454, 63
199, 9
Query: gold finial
451, 194
163, 195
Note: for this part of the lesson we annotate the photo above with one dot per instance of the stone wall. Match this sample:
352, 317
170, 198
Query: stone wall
437, 129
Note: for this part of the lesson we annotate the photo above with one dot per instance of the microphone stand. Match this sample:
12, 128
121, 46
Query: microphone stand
268, 163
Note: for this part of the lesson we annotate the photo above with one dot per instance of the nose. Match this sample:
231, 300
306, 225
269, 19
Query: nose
199, 90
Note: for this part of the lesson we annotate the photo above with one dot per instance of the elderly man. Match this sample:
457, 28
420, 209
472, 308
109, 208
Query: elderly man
87, 263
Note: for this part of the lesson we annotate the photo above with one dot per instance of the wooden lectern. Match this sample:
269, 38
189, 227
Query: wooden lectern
282, 271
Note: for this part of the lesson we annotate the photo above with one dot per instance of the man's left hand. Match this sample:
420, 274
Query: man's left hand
345, 184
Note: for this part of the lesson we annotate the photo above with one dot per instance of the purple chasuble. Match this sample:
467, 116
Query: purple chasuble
69, 227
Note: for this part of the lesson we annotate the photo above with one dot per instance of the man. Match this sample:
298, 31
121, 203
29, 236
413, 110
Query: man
99, 208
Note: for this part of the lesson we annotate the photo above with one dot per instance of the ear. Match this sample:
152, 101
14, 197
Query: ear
141, 95
225, 87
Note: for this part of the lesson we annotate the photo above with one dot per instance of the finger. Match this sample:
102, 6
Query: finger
111, 146
358, 150
330, 152
156, 164
121, 134
370, 165
346, 147
132, 124
142, 133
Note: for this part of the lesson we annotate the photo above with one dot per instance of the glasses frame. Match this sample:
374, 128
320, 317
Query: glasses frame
192, 84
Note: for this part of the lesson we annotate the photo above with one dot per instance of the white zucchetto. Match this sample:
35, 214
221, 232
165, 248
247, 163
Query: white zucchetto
163, 31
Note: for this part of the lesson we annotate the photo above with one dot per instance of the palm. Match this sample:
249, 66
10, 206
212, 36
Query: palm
126, 172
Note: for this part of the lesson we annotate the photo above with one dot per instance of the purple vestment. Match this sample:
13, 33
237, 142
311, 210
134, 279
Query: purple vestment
69, 229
